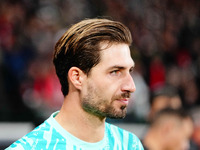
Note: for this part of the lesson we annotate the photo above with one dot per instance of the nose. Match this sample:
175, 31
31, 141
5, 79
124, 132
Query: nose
128, 85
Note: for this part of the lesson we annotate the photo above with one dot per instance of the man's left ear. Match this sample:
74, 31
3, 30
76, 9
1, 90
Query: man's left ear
76, 77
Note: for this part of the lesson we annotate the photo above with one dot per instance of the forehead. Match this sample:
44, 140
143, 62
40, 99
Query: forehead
115, 54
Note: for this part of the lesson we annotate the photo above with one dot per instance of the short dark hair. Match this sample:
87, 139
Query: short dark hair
167, 91
80, 46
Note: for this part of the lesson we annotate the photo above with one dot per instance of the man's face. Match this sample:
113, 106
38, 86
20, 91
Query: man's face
106, 90
180, 135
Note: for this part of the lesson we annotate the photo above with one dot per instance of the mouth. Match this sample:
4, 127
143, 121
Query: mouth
124, 101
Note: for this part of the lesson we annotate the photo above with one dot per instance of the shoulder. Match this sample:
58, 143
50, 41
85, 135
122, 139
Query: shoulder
123, 137
28, 141
45, 136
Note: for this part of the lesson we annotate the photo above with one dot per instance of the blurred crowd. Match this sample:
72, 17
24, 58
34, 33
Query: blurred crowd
166, 50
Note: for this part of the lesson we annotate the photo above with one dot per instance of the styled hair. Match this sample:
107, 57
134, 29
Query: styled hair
80, 46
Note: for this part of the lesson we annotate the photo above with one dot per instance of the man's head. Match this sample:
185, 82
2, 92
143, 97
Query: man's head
80, 46
93, 58
165, 97
175, 127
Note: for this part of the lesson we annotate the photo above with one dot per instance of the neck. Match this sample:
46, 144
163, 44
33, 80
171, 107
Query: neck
79, 123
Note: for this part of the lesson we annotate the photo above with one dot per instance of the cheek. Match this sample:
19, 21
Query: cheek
107, 90
104, 88
179, 141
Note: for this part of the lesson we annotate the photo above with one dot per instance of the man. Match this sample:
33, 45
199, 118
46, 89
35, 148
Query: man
170, 130
93, 63
162, 98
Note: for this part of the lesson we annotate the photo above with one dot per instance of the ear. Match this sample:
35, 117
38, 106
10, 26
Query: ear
76, 77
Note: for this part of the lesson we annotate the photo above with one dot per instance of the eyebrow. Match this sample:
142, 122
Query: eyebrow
120, 67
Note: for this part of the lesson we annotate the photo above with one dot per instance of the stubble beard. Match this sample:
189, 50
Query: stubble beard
95, 104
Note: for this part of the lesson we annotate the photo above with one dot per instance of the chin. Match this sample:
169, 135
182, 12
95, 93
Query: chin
120, 114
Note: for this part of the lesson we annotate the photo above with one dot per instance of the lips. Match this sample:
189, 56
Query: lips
124, 101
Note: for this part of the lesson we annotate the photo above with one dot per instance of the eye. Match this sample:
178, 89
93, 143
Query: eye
115, 72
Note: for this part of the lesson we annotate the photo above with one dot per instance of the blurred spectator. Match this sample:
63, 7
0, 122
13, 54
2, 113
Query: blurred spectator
196, 134
44, 96
169, 130
164, 97
157, 73
16, 52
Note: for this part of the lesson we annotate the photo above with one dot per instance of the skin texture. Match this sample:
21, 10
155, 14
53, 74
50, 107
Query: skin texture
103, 93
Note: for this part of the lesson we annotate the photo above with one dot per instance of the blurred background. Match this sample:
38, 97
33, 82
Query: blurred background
166, 50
